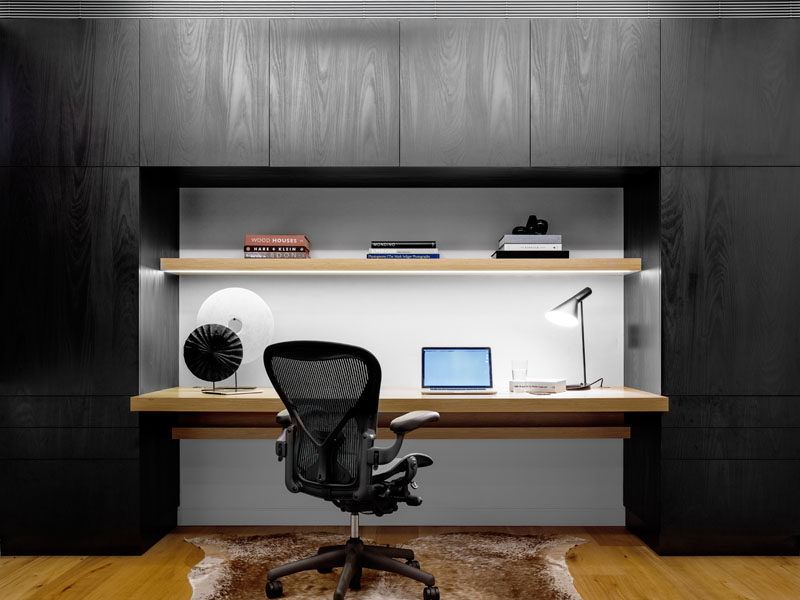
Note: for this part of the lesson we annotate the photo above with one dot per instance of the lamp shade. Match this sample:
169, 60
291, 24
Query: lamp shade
246, 314
566, 313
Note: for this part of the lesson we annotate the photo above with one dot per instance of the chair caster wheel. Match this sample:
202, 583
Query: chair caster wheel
430, 593
275, 589
413, 564
324, 571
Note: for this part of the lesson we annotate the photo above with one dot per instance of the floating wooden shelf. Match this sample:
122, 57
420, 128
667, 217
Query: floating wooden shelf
417, 266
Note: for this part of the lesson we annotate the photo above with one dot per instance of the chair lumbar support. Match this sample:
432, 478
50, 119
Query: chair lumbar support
328, 442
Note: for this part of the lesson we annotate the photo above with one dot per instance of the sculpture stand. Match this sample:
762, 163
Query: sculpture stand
231, 391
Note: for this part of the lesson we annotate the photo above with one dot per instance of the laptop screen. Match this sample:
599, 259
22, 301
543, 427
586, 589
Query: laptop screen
456, 367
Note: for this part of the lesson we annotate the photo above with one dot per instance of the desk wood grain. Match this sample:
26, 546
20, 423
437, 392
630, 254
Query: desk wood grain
595, 414
401, 400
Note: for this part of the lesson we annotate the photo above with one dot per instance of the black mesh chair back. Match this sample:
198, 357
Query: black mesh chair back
331, 392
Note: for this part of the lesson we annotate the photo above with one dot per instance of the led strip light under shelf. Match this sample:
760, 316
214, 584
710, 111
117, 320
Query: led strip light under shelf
350, 267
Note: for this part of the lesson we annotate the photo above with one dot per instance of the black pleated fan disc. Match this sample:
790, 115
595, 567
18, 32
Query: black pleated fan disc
212, 352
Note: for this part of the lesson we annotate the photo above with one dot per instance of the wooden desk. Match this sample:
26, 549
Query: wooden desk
596, 413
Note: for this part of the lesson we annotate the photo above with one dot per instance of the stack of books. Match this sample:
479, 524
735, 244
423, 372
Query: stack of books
530, 246
403, 249
276, 246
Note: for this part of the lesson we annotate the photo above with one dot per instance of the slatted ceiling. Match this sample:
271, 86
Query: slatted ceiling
397, 9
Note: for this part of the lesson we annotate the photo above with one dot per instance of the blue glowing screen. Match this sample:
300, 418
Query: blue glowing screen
456, 367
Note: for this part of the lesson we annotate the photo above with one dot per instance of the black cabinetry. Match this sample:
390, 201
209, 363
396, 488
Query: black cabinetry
720, 473
70, 237
594, 92
730, 258
70, 92
729, 92
334, 97
465, 93
205, 92
87, 475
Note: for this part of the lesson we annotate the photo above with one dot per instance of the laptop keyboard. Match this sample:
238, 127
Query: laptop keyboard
458, 389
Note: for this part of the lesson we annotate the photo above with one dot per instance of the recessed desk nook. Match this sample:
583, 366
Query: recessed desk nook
560, 456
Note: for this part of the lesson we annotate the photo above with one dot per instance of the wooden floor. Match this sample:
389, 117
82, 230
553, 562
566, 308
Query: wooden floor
613, 564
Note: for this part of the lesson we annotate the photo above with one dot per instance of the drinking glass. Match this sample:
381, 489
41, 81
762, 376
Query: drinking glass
519, 369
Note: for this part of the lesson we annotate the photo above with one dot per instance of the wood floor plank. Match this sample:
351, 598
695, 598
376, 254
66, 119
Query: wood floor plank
613, 565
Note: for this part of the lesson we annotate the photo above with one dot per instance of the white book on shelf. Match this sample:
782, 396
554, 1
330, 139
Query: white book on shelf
511, 238
514, 247
403, 251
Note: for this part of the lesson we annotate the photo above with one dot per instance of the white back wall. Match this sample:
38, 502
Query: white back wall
472, 481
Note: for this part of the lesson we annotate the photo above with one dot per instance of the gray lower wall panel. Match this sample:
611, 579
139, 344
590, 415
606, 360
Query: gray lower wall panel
475, 482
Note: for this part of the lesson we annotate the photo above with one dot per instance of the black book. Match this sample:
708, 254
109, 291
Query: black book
401, 244
531, 254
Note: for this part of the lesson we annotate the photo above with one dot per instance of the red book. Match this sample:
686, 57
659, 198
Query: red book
276, 240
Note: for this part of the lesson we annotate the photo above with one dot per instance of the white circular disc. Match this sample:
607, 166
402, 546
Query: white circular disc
246, 313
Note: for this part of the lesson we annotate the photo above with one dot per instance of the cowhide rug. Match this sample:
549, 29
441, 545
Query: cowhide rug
467, 566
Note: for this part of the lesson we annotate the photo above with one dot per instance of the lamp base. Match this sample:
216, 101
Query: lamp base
579, 387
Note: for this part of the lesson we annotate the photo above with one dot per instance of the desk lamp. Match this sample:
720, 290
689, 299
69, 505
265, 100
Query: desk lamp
566, 315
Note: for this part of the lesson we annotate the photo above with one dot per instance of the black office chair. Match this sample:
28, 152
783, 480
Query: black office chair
331, 396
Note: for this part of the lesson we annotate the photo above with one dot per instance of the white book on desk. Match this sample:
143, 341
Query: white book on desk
538, 386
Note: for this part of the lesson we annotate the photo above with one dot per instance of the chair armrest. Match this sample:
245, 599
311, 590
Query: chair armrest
283, 418
400, 427
413, 420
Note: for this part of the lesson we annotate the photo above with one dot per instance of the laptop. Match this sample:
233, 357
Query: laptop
457, 371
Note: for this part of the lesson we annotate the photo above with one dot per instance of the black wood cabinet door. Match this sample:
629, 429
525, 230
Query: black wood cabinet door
204, 92
69, 92
730, 92
75, 506
334, 93
594, 92
54, 412
732, 413
70, 239
730, 264
464, 93
739, 496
